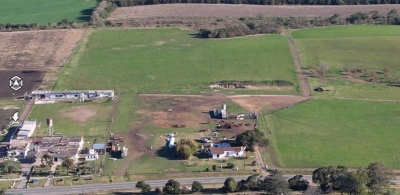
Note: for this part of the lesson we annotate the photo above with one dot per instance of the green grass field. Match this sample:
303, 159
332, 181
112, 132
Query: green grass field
94, 127
346, 89
45, 11
370, 47
326, 132
172, 61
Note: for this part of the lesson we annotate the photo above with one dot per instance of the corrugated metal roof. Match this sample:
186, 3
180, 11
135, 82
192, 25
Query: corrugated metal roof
99, 146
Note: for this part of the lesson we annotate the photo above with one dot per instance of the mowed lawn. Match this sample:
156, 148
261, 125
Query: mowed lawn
174, 61
90, 120
336, 132
45, 11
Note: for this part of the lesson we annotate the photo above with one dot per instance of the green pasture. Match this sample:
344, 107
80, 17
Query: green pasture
341, 88
370, 47
324, 132
94, 127
45, 11
175, 61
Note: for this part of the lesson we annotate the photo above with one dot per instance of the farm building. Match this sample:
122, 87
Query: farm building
76, 94
27, 129
91, 155
223, 111
226, 152
221, 145
100, 148
18, 148
58, 147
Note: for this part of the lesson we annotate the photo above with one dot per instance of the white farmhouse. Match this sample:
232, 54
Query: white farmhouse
226, 152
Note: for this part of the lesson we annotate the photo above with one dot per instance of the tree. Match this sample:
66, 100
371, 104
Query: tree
322, 69
229, 185
274, 184
379, 176
143, 186
186, 148
10, 166
252, 182
197, 187
68, 163
297, 183
253, 163
214, 167
3, 191
172, 187
252, 138
230, 165
47, 160
328, 178
354, 183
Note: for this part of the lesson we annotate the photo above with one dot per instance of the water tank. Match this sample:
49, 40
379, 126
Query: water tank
171, 142
49, 122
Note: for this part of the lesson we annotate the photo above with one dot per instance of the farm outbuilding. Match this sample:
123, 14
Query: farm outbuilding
27, 129
100, 148
73, 94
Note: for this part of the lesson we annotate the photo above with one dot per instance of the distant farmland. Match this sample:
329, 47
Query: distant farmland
228, 10
174, 61
45, 11
368, 47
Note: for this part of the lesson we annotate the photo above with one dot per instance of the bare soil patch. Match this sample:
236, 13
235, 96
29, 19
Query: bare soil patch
45, 50
31, 80
259, 103
227, 10
80, 113
5, 115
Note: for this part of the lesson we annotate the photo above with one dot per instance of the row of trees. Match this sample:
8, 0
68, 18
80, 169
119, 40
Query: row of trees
171, 187
125, 3
250, 28
102, 11
375, 178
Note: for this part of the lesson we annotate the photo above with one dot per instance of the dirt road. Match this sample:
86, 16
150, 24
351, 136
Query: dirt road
260, 162
297, 61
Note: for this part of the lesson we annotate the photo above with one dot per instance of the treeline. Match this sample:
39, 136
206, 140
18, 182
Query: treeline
126, 3
374, 179
102, 11
261, 25
63, 24
249, 28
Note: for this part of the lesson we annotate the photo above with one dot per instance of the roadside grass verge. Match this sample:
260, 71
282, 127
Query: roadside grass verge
325, 132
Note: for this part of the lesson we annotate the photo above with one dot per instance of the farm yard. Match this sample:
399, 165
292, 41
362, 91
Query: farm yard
357, 57
174, 11
325, 132
90, 120
45, 11
173, 61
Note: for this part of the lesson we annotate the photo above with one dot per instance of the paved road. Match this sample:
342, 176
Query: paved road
129, 185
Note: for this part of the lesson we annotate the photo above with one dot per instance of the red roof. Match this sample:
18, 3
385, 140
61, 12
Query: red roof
216, 150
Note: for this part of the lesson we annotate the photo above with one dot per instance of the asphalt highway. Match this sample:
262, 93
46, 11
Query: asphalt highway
83, 189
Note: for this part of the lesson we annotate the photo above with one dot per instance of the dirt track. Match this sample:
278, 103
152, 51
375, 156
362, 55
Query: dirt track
227, 10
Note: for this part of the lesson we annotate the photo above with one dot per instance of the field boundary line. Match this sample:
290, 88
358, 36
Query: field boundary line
82, 42
297, 61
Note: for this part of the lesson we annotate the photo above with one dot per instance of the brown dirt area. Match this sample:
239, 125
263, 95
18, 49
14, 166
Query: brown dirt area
80, 114
45, 50
259, 103
31, 80
227, 10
